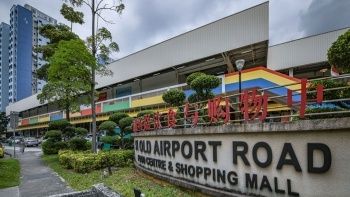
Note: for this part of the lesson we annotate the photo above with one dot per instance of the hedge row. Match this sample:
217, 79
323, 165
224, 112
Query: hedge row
84, 162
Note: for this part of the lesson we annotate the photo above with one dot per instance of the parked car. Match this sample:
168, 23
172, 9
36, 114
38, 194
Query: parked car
15, 139
89, 137
30, 141
2, 151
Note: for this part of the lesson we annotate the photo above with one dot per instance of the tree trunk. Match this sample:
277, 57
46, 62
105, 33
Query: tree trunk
67, 114
93, 109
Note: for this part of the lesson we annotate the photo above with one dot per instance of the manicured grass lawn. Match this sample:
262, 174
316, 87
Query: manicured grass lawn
9, 172
123, 180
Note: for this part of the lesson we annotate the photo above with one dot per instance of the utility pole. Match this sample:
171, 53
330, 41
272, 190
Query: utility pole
13, 125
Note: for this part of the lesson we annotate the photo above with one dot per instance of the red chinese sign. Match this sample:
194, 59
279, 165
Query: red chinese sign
217, 111
254, 105
191, 114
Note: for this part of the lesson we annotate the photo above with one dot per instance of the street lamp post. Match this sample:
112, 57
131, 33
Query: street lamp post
13, 125
239, 66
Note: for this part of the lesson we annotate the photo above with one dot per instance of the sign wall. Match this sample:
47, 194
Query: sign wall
269, 164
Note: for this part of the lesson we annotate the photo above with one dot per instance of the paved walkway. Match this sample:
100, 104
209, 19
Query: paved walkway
37, 179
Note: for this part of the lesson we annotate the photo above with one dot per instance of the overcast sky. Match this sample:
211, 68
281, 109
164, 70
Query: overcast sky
147, 22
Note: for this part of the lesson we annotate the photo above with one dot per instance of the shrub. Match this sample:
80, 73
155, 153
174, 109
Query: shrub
66, 159
125, 122
110, 139
202, 84
118, 116
192, 76
329, 95
51, 147
174, 97
329, 107
53, 135
339, 54
145, 112
68, 132
81, 132
59, 124
84, 162
108, 126
88, 145
193, 98
77, 144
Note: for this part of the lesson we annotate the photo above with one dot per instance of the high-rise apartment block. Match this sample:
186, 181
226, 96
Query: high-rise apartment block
39, 19
25, 23
4, 65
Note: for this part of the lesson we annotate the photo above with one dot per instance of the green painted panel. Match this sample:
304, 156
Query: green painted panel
33, 120
116, 106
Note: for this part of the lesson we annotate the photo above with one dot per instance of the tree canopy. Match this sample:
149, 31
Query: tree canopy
202, 84
339, 53
55, 33
68, 75
3, 122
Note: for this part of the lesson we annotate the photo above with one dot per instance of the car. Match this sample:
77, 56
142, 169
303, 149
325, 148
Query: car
30, 141
2, 151
15, 139
89, 137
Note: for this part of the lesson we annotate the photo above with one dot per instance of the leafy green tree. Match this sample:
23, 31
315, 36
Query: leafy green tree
68, 76
55, 33
99, 48
73, 16
3, 122
339, 53
202, 84
108, 126
174, 97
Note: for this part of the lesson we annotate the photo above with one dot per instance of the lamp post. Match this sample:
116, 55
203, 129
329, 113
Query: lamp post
239, 66
13, 125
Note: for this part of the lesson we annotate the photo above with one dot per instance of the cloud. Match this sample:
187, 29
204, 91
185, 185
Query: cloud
325, 15
145, 23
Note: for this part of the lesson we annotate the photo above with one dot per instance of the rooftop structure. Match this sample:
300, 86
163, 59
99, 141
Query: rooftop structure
141, 78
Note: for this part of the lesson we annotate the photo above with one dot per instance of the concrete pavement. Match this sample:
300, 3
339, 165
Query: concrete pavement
37, 179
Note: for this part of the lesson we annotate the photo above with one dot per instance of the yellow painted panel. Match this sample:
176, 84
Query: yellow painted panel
277, 107
279, 80
75, 114
44, 118
32, 127
147, 101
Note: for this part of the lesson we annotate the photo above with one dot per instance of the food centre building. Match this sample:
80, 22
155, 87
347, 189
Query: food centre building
258, 159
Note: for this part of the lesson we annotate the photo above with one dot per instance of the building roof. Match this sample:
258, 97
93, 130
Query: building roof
304, 51
241, 29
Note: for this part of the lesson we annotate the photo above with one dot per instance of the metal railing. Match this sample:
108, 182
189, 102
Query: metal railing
335, 103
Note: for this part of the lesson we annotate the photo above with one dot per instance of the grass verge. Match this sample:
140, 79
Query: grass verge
124, 180
9, 172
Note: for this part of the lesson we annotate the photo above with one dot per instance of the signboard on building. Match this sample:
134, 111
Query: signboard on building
307, 163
